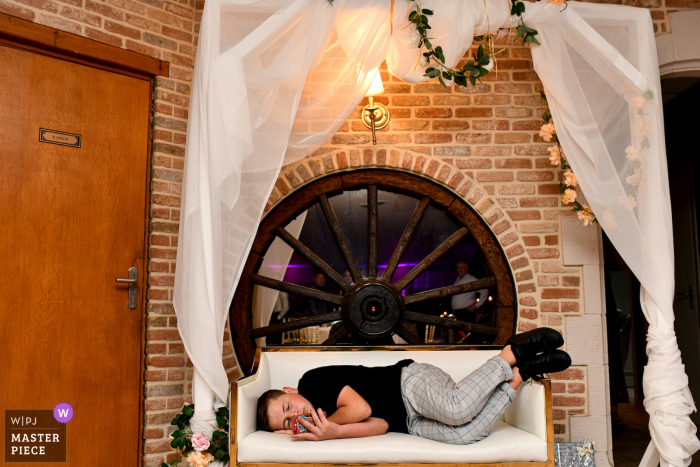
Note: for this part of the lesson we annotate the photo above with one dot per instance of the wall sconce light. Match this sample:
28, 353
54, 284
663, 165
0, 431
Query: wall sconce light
375, 115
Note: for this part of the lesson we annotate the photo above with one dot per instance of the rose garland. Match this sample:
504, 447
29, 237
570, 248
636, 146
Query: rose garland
197, 449
567, 186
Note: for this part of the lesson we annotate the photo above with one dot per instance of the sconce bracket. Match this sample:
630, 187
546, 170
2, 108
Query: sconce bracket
381, 116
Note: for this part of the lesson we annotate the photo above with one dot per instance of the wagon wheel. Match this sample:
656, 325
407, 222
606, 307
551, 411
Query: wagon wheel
372, 307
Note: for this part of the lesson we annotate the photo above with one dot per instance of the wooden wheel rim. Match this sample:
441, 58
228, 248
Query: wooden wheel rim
438, 196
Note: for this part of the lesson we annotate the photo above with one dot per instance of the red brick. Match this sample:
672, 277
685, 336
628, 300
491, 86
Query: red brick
547, 189
558, 387
432, 138
529, 313
82, 16
492, 150
560, 293
409, 101
155, 375
509, 238
455, 180
158, 446
512, 163
523, 276
155, 404
551, 240
408, 125
549, 307
527, 288
164, 362
568, 401
476, 195
472, 112
490, 124
153, 433
495, 176
569, 307
539, 202
522, 214
519, 263
514, 251
531, 240
516, 112
510, 138
163, 334
155, 348
104, 10
516, 189
558, 414
493, 216
536, 176
576, 388
451, 100
570, 281
540, 253
142, 49
17, 11
524, 326
433, 112
571, 373
450, 125
491, 99
509, 88
501, 227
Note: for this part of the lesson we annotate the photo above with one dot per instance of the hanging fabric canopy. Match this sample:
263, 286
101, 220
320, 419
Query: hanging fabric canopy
275, 79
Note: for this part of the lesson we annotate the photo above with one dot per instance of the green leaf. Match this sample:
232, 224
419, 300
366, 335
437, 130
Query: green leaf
461, 80
484, 72
478, 38
438, 53
224, 442
428, 44
442, 82
175, 442
226, 458
424, 19
446, 75
476, 72
425, 11
219, 453
412, 15
521, 8
173, 463
178, 434
188, 410
164, 465
472, 80
647, 95
221, 421
480, 52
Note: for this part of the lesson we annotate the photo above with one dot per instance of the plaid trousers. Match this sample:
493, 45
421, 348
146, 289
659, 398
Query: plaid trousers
456, 413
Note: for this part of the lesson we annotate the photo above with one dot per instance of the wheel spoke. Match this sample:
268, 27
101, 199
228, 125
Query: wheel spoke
312, 259
340, 239
297, 324
438, 253
372, 215
450, 323
332, 339
407, 335
405, 239
450, 290
295, 289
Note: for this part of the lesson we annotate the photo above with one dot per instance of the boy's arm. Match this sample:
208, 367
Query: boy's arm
325, 429
352, 408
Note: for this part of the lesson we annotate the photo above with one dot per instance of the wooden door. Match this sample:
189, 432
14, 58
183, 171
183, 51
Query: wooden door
72, 220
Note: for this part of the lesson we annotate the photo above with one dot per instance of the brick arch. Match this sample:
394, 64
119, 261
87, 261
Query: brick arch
454, 174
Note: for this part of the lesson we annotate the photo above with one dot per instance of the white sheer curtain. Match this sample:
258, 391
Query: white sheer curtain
275, 79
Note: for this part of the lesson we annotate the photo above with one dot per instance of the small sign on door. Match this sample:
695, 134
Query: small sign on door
59, 137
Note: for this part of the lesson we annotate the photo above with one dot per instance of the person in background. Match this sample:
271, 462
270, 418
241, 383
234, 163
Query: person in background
281, 306
465, 306
318, 307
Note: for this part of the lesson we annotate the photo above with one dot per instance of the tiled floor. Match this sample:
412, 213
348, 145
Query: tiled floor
630, 445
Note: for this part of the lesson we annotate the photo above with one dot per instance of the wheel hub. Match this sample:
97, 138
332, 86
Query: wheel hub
373, 309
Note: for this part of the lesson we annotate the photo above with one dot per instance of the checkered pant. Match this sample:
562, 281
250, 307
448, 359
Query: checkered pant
456, 413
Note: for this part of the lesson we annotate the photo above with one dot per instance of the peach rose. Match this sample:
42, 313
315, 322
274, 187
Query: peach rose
635, 178
569, 196
641, 129
628, 202
199, 459
608, 219
200, 442
554, 155
547, 131
570, 178
632, 153
638, 103
586, 215
557, 2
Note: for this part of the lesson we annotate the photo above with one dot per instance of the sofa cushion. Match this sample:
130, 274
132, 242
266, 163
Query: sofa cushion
505, 444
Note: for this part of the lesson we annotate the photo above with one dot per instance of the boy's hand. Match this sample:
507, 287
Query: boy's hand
324, 428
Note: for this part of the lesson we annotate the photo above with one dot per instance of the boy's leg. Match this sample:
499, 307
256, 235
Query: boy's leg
477, 429
430, 392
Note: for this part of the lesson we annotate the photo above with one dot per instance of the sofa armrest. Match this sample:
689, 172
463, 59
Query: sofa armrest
248, 390
528, 411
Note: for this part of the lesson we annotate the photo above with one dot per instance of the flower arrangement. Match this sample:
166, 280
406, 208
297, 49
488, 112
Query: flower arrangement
196, 448
434, 58
568, 183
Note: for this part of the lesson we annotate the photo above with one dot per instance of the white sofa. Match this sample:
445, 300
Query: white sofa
524, 434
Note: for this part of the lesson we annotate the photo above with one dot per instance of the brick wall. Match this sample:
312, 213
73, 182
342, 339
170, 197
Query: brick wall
481, 142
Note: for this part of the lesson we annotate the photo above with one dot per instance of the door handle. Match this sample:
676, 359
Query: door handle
133, 286
690, 294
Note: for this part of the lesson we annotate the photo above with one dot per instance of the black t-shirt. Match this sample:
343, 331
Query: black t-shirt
379, 386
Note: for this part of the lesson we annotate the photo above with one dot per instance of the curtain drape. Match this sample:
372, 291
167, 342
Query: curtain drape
275, 79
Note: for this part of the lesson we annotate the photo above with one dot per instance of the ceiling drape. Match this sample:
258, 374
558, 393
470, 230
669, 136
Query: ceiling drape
275, 79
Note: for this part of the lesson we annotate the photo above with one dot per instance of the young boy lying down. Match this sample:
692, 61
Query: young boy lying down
353, 401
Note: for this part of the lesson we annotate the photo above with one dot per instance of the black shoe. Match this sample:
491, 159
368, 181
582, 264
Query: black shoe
528, 344
551, 361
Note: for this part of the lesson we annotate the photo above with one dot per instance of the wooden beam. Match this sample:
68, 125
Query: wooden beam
71, 45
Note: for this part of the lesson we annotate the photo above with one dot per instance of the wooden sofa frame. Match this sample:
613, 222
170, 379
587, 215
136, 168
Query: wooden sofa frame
233, 451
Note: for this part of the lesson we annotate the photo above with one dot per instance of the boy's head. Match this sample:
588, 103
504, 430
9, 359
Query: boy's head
276, 408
